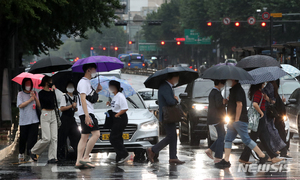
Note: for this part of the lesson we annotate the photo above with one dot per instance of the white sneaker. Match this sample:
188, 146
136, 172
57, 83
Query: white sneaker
21, 157
124, 159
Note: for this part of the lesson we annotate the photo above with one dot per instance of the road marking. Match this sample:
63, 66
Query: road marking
64, 169
33, 164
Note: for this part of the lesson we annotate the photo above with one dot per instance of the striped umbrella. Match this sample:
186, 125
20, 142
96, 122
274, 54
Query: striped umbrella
264, 74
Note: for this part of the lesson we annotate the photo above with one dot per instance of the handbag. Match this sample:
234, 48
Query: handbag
173, 114
253, 117
109, 119
56, 111
213, 132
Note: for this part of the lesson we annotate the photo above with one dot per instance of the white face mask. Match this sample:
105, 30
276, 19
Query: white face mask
94, 74
70, 89
112, 90
27, 88
229, 83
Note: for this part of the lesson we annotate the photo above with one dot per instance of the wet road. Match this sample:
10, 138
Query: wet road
197, 166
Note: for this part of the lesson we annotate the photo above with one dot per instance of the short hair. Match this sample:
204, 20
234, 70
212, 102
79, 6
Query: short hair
46, 79
217, 82
24, 81
171, 75
85, 67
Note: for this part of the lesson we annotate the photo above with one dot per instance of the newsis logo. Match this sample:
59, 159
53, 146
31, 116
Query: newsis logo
262, 168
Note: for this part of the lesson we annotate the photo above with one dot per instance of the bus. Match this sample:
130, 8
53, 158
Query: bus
136, 61
122, 57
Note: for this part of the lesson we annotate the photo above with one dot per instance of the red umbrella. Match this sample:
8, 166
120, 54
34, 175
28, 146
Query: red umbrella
36, 79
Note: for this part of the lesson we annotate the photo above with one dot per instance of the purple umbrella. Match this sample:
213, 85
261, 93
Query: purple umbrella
104, 63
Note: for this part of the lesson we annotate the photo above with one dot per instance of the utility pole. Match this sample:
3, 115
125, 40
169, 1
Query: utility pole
271, 35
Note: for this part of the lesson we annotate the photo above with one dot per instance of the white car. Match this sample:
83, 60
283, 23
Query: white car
140, 133
150, 96
116, 73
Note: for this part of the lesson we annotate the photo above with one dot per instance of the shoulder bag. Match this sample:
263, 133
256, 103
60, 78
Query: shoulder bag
173, 114
253, 116
56, 111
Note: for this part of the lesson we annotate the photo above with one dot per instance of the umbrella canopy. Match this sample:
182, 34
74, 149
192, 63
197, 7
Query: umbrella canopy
226, 72
62, 78
186, 75
49, 65
265, 74
36, 79
256, 61
104, 81
291, 70
104, 63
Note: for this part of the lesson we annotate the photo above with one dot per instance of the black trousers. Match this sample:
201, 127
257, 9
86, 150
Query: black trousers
261, 132
67, 129
28, 136
280, 126
116, 136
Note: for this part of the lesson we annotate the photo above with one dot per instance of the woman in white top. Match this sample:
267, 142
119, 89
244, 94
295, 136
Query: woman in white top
119, 107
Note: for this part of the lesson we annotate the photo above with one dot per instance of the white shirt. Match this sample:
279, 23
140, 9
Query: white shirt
63, 100
119, 103
84, 87
170, 84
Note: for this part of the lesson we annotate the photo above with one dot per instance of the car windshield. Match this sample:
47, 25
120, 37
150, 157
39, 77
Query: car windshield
148, 95
134, 102
288, 87
202, 88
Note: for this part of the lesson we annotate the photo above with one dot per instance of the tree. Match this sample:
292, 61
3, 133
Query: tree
35, 26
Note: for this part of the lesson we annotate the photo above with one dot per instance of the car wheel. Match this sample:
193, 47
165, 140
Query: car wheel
193, 139
182, 138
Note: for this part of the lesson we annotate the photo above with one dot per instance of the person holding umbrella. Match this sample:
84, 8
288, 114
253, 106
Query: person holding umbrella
27, 102
119, 107
89, 123
49, 122
69, 128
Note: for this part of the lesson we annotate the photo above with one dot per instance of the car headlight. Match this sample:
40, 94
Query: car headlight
284, 118
149, 125
199, 107
227, 119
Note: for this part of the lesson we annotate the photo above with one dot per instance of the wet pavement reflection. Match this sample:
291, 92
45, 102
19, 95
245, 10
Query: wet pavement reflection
197, 166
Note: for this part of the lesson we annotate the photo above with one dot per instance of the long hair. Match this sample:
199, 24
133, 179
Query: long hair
253, 89
274, 83
116, 84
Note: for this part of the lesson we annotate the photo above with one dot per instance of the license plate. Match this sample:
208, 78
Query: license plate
106, 136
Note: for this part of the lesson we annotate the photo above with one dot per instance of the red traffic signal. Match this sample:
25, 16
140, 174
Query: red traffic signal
104, 48
116, 48
76, 59
237, 24
263, 24
208, 23
162, 43
130, 42
92, 48
178, 43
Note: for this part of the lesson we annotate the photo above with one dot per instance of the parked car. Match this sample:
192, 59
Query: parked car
140, 133
194, 102
293, 112
116, 73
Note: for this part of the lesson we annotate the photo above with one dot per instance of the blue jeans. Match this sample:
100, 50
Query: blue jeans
218, 145
240, 128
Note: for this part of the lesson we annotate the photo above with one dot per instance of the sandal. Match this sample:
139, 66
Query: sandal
87, 163
81, 167
33, 157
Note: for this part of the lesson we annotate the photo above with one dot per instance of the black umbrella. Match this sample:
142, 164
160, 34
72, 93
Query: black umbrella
186, 75
62, 78
223, 72
256, 61
49, 65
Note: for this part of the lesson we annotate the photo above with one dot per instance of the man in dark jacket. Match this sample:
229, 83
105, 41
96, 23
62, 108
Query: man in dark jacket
166, 97
215, 117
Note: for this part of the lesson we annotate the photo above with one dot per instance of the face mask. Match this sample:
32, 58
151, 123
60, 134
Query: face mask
27, 88
229, 83
112, 90
175, 84
50, 85
70, 89
94, 74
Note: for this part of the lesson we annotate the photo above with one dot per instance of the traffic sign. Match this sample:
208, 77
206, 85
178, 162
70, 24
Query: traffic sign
251, 20
276, 15
266, 15
226, 20
233, 48
193, 37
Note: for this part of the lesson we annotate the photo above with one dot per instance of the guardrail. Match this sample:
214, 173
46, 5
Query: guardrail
139, 71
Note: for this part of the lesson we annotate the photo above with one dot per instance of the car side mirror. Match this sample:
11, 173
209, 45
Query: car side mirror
153, 107
183, 95
292, 101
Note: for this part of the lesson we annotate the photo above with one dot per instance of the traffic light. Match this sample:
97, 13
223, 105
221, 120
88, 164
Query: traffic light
162, 42
76, 59
92, 48
178, 43
104, 48
121, 23
208, 23
116, 48
154, 23
237, 24
263, 24
130, 42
